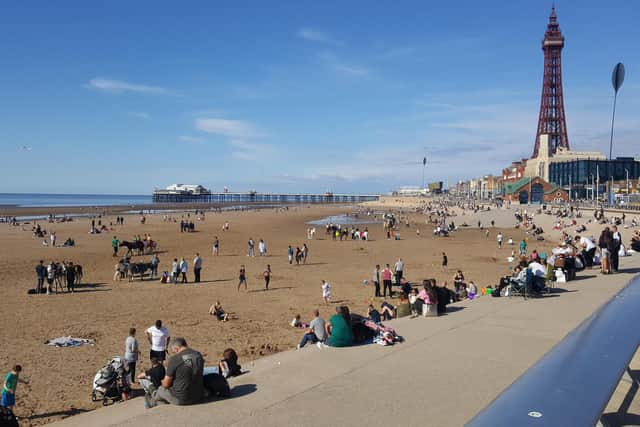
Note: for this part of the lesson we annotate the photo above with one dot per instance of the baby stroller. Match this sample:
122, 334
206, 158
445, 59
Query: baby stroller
110, 382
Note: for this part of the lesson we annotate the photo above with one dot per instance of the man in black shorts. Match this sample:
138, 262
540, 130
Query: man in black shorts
159, 338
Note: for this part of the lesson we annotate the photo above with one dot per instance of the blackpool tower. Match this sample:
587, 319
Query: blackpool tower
551, 120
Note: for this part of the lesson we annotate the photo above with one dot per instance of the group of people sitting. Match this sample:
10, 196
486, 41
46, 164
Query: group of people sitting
184, 380
427, 300
344, 329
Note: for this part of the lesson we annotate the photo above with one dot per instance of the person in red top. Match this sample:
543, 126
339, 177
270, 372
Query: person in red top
386, 281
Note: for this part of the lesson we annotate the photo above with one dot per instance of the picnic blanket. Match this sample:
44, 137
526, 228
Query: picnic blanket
69, 342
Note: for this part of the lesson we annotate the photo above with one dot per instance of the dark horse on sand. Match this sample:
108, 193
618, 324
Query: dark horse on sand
138, 246
138, 268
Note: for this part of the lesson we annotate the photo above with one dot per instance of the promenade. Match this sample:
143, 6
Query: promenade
448, 369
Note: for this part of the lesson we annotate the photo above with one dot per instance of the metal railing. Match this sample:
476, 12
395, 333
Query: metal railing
572, 384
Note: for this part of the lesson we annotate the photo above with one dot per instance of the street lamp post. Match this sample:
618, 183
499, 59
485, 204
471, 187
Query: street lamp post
626, 171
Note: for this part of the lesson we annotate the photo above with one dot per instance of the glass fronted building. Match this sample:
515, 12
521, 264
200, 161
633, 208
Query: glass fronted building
583, 174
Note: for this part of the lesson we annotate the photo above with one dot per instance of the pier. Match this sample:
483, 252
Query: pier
168, 196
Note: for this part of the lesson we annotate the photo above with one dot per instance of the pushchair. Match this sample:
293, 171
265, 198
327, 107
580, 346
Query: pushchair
111, 382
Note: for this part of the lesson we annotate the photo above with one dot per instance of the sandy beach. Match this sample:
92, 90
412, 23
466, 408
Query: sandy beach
104, 310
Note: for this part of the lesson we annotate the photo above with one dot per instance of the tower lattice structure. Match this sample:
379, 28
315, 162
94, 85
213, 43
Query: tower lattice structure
551, 120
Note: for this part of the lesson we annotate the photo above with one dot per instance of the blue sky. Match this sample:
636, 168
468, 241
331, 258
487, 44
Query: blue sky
121, 96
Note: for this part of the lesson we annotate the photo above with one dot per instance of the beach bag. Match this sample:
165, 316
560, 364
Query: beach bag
217, 385
7, 418
560, 276
165, 277
429, 310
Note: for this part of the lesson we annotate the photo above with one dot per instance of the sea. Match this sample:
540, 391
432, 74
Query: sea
32, 200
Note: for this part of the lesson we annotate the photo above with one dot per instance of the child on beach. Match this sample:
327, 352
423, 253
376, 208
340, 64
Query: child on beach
326, 291
445, 261
297, 323
9, 387
243, 278
472, 290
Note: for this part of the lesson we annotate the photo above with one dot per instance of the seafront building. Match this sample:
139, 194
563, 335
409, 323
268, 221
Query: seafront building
560, 172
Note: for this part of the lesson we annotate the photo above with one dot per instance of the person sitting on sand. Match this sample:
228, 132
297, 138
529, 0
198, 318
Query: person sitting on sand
339, 328
297, 323
182, 383
404, 308
373, 314
228, 366
387, 311
415, 303
472, 290
217, 310
316, 332
151, 379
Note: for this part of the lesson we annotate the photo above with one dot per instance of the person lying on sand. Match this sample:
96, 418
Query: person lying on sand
217, 310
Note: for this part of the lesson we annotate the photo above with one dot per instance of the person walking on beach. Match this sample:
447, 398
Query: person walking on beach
500, 238
216, 246
399, 267
267, 277
197, 267
53, 239
41, 274
326, 291
305, 253
158, 337
262, 248
251, 244
243, 278
184, 267
290, 254
445, 261
114, 244
386, 281
523, 247
9, 387
155, 261
131, 352
376, 280
175, 268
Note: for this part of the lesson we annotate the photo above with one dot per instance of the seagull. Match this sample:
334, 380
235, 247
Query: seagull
25, 148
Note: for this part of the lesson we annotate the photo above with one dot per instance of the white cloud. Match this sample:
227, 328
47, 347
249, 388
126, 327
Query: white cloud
193, 139
140, 115
352, 71
230, 128
240, 134
317, 36
119, 86
330, 60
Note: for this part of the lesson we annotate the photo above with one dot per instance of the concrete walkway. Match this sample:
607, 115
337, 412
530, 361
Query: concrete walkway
447, 370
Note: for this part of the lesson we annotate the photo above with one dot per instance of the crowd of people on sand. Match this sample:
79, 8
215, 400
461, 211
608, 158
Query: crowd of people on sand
55, 276
340, 232
176, 373
182, 379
